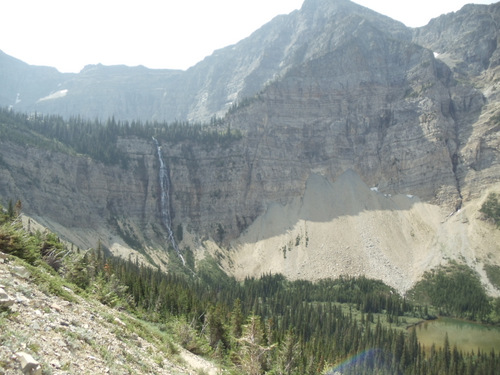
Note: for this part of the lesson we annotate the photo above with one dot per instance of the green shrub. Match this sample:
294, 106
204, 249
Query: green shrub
491, 208
493, 273
13, 241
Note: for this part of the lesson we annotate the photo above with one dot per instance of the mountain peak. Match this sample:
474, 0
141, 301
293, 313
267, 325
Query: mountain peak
327, 8
323, 4
335, 11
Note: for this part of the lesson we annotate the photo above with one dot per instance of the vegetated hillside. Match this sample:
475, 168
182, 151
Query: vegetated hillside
50, 325
365, 153
67, 310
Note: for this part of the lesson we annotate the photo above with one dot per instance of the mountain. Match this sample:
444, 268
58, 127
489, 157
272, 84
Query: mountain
233, 73
365, 147
209, 88
25, 83
452, 35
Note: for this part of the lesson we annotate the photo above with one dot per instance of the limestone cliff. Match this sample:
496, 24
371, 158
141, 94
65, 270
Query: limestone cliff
84, 200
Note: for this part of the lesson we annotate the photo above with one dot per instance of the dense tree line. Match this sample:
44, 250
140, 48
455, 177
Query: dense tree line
99, 139
456, 290
273, 325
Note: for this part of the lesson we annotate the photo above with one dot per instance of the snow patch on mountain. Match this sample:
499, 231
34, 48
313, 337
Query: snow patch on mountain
55, 95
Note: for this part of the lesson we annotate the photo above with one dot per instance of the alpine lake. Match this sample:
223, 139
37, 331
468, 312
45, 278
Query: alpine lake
467, 336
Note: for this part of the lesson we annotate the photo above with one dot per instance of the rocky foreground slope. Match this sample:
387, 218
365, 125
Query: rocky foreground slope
44, 333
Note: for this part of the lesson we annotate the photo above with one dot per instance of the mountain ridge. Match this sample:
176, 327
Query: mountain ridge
210, 87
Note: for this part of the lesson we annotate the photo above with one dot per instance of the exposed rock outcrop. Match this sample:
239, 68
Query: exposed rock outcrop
84, 196
466, 40
5, 299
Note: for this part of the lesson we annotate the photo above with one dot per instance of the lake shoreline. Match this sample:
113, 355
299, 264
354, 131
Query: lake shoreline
465, 334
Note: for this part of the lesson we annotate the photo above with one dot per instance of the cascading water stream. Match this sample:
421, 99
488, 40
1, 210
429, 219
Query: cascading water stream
166, 217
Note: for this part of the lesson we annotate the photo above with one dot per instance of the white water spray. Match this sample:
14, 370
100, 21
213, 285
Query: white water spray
166, 217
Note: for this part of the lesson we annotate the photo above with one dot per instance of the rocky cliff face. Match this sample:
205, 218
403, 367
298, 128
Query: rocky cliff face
466, 40
346, 98
86, 201
384, 108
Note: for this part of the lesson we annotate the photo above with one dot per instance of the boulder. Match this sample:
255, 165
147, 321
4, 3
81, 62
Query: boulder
28, 364
20, 272
5, 299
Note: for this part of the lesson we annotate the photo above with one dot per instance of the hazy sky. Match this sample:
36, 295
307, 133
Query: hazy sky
174, 34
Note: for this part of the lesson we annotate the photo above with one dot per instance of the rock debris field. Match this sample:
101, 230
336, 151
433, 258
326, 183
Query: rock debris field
45, 334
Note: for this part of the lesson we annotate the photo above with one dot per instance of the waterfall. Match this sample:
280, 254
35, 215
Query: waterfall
166, 217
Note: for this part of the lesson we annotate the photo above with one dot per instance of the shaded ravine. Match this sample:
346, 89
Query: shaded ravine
166, 217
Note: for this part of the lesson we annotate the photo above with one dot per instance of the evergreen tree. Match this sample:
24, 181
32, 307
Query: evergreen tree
288, 355
215, 327
237, 319
10, 209
252, 348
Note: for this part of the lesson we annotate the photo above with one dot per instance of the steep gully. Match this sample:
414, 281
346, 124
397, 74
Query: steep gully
166, 216
454, 153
